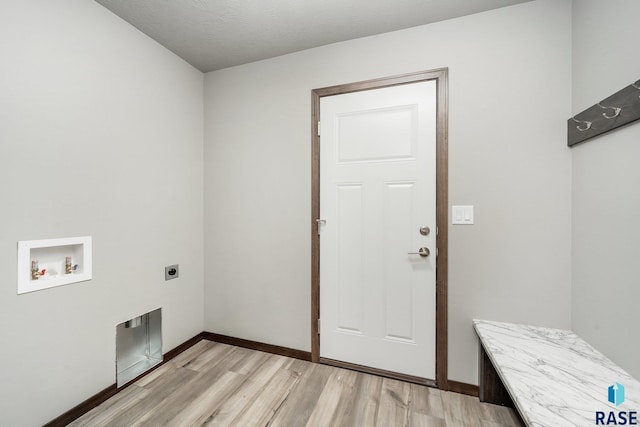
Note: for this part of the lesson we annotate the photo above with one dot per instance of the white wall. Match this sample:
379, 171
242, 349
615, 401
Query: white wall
606, 178
510, 72
100, 134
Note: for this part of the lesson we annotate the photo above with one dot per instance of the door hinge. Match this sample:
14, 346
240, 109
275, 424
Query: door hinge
318, 128
318, 326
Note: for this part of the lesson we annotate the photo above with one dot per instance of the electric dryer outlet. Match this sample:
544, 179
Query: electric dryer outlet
171, 272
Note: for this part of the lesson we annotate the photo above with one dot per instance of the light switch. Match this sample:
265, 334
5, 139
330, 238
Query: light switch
462, 215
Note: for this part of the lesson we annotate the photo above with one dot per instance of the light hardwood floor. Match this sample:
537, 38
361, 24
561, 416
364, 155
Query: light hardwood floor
216, 384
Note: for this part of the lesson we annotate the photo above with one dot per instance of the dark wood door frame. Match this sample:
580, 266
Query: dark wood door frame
441, 78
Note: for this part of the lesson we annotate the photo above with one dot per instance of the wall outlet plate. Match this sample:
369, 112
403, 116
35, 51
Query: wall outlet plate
171, 272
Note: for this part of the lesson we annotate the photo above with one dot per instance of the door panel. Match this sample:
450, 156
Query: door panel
399, 283
350, 258
362, 135
377, 188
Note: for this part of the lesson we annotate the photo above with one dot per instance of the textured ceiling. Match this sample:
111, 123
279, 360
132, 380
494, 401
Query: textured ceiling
215, 34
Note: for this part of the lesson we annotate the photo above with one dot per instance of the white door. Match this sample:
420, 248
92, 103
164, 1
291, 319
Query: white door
377, 190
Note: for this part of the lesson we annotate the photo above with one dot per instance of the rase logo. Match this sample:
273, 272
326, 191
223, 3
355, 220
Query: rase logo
615, 395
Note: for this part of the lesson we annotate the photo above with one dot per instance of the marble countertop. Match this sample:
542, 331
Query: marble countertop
554, 377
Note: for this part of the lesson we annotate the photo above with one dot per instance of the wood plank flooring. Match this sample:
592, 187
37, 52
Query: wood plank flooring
213, 384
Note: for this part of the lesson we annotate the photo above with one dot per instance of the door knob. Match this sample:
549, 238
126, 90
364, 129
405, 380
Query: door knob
423, 252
